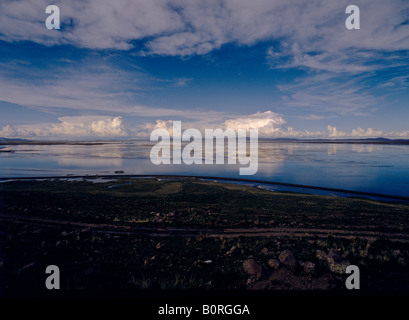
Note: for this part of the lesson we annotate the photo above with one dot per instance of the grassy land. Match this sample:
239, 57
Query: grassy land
192, 234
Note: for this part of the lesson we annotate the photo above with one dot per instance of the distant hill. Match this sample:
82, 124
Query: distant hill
379, 140
6, 139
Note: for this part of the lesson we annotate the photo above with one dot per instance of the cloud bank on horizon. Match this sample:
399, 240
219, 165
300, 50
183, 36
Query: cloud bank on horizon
119, 69
269, 124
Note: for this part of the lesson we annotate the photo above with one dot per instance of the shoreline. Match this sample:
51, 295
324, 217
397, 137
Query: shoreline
370, 195
284, 140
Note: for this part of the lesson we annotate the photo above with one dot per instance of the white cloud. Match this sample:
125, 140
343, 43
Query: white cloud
314, 117
308, 34
369, 132
94, 24
335, 133
328, 92
270, 125
183, 27
266, 122
70, 127
90, 87
84, 85
146, 129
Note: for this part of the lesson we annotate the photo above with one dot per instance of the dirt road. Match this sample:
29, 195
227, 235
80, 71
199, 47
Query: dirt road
209, 232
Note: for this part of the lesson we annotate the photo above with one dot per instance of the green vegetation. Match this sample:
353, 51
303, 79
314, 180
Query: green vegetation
193, 234
197, 203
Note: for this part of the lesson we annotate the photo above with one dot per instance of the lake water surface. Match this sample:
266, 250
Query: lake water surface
360, 167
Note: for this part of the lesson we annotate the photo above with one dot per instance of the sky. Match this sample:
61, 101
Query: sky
119, 69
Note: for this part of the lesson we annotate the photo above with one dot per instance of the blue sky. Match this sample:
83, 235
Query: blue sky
288, 68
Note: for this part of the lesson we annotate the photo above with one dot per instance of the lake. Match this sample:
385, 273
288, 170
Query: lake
365, 167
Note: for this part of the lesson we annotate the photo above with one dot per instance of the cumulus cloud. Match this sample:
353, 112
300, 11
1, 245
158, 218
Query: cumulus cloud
70, 127
148, 127
270, 125
267, 123
333, 132
369, 132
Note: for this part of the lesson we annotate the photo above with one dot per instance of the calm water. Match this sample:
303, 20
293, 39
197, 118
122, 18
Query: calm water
361, 167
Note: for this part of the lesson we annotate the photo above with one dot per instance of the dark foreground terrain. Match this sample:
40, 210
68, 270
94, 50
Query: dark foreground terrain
144, 234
